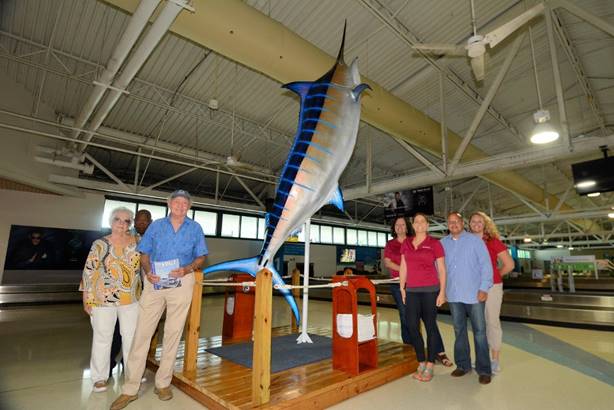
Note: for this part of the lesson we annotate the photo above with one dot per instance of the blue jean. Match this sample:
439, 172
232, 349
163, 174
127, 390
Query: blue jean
462, 353
396, 294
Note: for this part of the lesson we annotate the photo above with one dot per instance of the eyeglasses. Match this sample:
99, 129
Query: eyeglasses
126, 221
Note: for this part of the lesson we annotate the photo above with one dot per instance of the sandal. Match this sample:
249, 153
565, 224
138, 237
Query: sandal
427, 375
443, 359
418, 374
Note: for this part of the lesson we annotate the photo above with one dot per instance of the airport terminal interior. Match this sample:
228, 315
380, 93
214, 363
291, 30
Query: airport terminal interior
297, 134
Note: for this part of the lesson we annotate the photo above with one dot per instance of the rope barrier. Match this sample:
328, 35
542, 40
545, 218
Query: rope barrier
225, 282
328, 285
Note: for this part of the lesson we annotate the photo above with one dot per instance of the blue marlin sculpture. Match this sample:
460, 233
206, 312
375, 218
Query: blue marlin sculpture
324, 142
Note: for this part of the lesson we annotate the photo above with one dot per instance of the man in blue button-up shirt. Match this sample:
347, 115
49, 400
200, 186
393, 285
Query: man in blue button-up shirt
175, 237
469, 278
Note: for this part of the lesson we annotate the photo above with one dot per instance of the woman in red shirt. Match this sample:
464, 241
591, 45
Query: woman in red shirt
484, 227
422, 273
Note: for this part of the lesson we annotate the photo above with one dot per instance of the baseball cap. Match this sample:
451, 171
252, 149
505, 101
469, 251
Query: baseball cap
181, 193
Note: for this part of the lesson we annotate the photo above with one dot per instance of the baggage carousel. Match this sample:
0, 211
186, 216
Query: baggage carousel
592, 306
587, 309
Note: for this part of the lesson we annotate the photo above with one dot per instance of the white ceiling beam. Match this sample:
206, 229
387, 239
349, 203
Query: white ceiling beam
169, 179
490, 95
424, 160
507, 161
404, 34
249, 191
202, 106
576, 64
585, 15
587, 214
106, 171
126, 151
558, 87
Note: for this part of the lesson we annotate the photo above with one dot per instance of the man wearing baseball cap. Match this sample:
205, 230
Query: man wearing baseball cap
176, 245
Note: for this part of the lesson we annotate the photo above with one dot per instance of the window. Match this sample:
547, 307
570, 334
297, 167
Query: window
352, 238
326, 234
249, 227
389, 236
230, 225
208, 221
362, 238
261, 228
157, 211
522, 254
109, 206
315, 234
338, 235
301, 234
381, 239
372, 238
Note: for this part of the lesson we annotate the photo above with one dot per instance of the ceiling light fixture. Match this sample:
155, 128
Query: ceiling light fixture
570, 248
594, 194
586, 184
527, 239
543, 132
611, 215
559, 246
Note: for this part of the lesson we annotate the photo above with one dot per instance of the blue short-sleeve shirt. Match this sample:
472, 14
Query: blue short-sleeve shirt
161, 243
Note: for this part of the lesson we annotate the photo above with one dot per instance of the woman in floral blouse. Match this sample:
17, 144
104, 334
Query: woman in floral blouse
111, 285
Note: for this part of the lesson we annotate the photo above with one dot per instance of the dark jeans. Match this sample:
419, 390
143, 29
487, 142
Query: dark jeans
421, 305
396, 294
116, 347
462, 353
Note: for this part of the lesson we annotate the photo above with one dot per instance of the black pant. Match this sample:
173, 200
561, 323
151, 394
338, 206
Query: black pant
422, 305
116, 347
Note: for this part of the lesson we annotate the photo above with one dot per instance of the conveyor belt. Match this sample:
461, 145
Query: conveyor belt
582, 309
60, 293
582, 284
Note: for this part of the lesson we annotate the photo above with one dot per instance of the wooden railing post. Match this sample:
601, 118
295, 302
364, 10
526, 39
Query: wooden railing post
192, 328
296, 292
261, 361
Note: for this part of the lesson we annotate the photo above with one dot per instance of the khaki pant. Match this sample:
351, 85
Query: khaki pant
494, 334
151, 306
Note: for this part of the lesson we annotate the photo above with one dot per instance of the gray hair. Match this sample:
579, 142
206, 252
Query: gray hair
119, 209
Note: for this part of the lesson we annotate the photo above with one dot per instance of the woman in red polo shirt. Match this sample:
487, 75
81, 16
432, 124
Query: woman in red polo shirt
423, 274
484, 227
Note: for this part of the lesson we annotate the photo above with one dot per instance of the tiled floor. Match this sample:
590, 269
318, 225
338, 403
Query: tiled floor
44, 358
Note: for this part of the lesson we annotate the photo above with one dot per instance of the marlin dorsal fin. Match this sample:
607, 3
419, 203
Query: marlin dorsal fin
336, 198
299, 87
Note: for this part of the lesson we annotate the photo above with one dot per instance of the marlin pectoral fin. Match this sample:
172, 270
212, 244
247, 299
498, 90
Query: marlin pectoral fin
277, 280
359, 89
299, 87
249, 266
336, 199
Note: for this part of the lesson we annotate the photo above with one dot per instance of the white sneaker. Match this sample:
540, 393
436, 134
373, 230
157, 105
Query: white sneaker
100, 386
495, 366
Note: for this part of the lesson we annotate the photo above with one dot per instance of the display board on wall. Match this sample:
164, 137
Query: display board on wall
408, 203
38, 254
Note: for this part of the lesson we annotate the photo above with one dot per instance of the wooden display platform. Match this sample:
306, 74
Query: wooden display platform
222, 384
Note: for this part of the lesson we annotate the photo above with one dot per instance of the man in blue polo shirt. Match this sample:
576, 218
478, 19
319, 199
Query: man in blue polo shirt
178, 242
469, 278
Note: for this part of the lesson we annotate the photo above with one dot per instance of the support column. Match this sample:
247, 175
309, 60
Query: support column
261, 360
192, 328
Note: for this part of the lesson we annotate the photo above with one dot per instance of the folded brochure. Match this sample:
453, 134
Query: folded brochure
163, 270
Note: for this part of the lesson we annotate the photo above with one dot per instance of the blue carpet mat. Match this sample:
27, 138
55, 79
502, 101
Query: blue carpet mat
285, 352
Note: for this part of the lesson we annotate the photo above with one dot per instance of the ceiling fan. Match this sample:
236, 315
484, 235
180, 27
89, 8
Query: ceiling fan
475, 48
